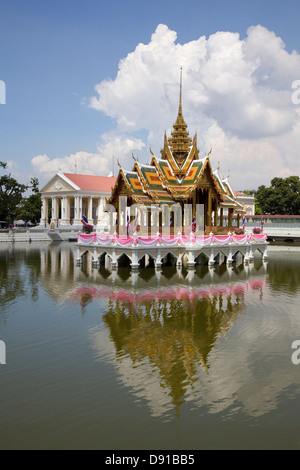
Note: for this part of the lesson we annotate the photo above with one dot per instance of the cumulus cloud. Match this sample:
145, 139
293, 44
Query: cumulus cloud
236, 95
99, 163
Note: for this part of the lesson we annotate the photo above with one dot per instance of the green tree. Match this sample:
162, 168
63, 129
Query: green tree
29, 208
281, 198
10, 196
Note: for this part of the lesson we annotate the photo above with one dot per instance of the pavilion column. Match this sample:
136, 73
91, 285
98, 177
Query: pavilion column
238, 221
230, 212
216, 213
222, 217
209, 209
194, 204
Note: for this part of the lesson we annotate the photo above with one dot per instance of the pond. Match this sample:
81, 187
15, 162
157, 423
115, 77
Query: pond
172, 359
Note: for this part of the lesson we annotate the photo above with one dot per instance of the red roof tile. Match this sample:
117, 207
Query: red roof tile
92, 183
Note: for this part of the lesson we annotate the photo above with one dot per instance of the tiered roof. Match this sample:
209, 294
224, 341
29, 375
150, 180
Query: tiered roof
177, 174
228, 195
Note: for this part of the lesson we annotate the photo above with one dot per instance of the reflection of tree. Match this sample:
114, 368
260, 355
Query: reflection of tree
13, 276
284, 275
11, 286
176, 336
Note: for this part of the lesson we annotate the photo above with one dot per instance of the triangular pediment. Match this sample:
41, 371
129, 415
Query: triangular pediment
58, 184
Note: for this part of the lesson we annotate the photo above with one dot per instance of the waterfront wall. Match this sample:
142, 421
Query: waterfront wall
277, 227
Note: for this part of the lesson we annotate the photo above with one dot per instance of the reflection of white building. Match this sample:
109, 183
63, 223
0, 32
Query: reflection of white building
67, 196
247, 201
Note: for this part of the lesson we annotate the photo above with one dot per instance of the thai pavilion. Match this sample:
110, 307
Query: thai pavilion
179, 176
174, 208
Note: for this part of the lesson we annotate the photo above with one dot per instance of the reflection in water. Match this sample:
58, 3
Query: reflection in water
163, 338
213, 338
165, 327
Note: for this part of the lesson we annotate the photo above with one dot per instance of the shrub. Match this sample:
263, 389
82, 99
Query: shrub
256, 230
239, 231
87, 228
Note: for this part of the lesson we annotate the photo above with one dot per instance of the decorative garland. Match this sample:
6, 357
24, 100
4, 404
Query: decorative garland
206, 240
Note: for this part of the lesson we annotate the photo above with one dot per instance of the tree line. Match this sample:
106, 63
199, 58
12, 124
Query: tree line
282, 197
14, 205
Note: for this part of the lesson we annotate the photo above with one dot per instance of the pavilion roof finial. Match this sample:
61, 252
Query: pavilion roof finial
180, 142
180, 93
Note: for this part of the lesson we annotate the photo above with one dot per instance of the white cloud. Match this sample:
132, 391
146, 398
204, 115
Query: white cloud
236, 94
99, 163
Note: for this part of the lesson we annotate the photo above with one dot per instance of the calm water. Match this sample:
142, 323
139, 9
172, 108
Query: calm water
179, 360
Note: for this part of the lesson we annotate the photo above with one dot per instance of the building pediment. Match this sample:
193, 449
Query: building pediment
58, 184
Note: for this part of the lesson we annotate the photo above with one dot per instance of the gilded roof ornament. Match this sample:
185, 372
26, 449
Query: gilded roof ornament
180, 142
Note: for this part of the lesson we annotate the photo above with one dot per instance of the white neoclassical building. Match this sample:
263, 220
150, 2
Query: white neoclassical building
247, 201
67, 196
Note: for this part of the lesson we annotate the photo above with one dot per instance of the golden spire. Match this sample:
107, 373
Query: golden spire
180, 142
180, 94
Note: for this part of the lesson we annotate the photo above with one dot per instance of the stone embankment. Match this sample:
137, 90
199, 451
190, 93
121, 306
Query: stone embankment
30, 236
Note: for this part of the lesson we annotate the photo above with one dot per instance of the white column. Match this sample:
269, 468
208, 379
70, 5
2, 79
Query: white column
90, 214
102, 217
63, 220
101, 208
77, 209
68, 209
54, 210
43, 211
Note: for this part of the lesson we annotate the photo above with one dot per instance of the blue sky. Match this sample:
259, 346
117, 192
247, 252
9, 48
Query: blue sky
54, 53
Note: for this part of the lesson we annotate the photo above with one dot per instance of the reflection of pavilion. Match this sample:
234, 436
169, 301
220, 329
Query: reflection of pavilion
163, 338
